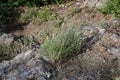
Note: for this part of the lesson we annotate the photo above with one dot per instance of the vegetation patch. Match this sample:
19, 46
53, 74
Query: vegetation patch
58, 22
10, 10
62, 46
116, 75
39, 15
113, 7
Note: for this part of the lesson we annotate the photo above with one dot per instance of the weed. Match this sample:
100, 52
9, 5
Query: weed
116, 78
102, 24
116, 75
27, 17
58, 22
114, 59
92, 15
62, 46
73, 11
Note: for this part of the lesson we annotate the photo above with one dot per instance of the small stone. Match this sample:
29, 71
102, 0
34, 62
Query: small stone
114, 51
101, 4
6, 39
95, 3
90, 31
4, 64
78, 3
115, 38
113, 22
90, 3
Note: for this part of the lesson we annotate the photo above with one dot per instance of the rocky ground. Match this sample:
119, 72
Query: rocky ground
21, 58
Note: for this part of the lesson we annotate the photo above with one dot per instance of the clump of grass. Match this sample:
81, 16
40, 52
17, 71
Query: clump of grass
62, 46
116, 75
113, 7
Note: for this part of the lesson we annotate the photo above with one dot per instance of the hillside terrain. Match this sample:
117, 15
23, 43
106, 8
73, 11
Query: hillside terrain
73, 40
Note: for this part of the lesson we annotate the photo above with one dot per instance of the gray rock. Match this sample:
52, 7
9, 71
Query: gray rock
115, 38
89, 76
3, 65
90, 3
114, 51
101, 4
113, 22
6, 39
90, 31
95, 3
91, 35
28, 65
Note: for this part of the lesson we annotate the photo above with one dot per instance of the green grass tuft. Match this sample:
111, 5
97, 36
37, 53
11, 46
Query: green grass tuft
62, 46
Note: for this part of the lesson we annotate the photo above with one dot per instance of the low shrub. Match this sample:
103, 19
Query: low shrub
62, 46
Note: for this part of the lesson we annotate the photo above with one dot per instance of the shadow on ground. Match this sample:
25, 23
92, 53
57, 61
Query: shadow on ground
10, 19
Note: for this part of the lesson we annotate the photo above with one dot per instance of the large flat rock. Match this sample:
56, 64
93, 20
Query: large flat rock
95, 3
27, 65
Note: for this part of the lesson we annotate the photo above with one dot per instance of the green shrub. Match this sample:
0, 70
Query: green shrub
62, 46
113, 7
